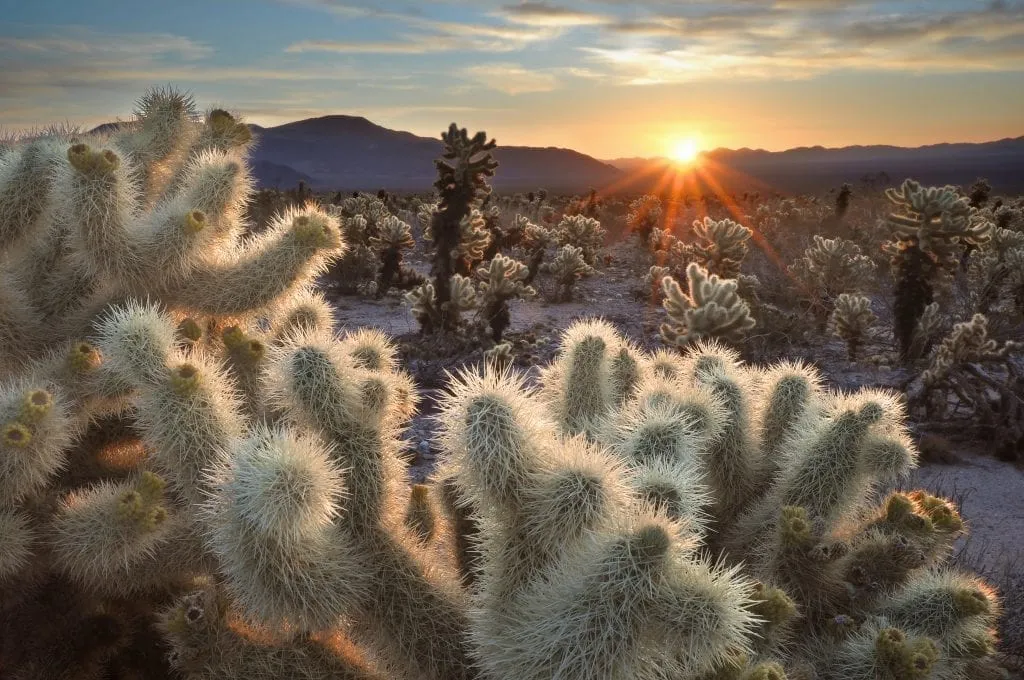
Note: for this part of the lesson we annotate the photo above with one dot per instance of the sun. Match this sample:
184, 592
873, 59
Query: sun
685, 151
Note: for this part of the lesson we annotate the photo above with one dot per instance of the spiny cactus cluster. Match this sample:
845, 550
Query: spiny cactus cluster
456, 226
582, 232
930, 226
831, 267
852, 320
719, 246
567, 267
645, 215
762, 468
711, 309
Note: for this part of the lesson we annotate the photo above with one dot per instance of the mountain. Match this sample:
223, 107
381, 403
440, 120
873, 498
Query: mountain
350, 152
816, 169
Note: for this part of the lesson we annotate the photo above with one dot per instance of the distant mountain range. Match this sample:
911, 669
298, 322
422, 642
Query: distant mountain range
351, 153
812, 169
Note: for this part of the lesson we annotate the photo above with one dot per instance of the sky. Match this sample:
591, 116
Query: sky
609, 78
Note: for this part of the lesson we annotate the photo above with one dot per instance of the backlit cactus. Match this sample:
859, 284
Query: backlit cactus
712, 309
585, 233
567, 267
852, 320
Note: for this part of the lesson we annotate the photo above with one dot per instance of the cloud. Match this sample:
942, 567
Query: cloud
511, 78
83, 42
778, 41
544, 14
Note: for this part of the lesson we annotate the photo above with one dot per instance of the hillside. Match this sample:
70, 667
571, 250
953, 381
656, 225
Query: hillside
348, 152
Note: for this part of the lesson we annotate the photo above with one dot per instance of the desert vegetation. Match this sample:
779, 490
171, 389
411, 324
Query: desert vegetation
260, 434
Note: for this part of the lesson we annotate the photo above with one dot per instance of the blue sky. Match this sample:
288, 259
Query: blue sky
609, 78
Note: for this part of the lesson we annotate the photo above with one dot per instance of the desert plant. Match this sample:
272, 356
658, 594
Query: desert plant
719, 246
931, 226
829, 268
393, 236
852, 320
501, 281
456, 227
711, 309
629, 525
567, 267
582, 232
645, 214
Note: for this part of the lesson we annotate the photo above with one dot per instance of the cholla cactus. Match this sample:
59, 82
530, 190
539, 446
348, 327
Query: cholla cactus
720, 247
651, 289
852, 320
364, 221
836, 590
430, 313
995, 275
929, 215
968, 342
712, 309
500, 357
582, 232
831, 267
393, 236
645, 214
926, 332
456, 226
970, 371
931, 226
502, 280
567, 267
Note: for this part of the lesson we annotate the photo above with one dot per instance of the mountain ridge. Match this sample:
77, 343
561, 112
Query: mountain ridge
346, 152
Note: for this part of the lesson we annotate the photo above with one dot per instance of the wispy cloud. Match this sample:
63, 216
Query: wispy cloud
511, 78
544, 14
777, 41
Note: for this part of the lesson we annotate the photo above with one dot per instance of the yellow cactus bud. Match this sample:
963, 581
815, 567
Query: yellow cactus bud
972, 601
946, 518
220, 119
773, 605
17, 435
151, 485
129, 505
36, 405
155, 517
185, 379
89, 162
898, 507
254, 350
233, 337
313, 233
794, 527
190, 329
84, 357
79, 156
195, 221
